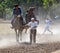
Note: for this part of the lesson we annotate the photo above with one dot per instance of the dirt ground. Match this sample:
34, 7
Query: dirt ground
46, 43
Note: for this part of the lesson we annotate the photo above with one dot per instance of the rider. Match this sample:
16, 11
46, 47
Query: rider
27, 16
17, 13
30, 14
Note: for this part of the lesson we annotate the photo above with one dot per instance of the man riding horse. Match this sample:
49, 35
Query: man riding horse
30, 14
17, 22
17, 14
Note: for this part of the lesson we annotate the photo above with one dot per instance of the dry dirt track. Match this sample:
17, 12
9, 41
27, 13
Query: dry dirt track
44, 42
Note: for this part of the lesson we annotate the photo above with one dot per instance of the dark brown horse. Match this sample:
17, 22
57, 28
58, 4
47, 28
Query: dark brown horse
29, 15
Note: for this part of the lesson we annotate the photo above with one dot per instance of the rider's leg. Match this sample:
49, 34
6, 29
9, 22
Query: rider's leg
34, 36
31, 36
12, 22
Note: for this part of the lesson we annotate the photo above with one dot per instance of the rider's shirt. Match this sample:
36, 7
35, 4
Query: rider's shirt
17, 12
33, 25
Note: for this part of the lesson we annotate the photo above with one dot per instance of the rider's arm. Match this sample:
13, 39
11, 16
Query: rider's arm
28, 25
13, 11
20, 12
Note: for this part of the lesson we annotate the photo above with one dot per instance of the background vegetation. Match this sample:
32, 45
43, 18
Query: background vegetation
6, 6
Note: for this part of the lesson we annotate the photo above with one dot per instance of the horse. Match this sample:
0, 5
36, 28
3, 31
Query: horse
18, 28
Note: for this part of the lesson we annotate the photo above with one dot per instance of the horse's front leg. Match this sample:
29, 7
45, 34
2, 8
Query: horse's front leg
20, 36
17, 35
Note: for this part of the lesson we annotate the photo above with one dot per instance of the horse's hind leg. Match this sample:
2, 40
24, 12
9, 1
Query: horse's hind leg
25, 30
20, 35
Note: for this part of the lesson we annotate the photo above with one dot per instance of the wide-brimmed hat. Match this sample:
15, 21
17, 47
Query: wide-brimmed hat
31, 8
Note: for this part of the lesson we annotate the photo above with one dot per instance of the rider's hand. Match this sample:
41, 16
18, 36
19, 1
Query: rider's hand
18, 15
